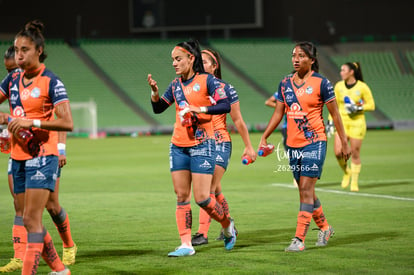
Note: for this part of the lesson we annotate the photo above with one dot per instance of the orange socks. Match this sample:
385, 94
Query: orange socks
304, 220
50, 255
204, 221
33, 253
214, 209
223, 202
63, 226
318, 216
184, 220
40, 245
19, 238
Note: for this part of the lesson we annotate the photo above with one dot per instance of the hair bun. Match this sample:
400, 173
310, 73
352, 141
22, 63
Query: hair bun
34, 25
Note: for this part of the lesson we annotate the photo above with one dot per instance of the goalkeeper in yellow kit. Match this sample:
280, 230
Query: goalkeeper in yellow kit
354, 97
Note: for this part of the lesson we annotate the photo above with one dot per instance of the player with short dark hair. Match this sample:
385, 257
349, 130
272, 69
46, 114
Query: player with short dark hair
301, 96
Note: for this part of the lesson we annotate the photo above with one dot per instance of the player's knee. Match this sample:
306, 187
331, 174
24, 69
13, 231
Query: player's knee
53, 209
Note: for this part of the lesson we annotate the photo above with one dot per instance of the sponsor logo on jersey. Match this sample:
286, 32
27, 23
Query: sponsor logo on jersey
35, 93
196, 87
289, 90
35, 162
13, 98
18, 112
206, 164
39, 176
25, 94
14, 88
59, 84
295, 107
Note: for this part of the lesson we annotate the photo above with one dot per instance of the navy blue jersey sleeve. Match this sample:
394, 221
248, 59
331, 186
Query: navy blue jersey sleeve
215, 88
231, 94
327, 91
168, 95
57, 91
278, 94
4, 86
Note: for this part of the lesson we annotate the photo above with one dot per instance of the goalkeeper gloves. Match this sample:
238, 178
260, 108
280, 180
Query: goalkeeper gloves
351, 107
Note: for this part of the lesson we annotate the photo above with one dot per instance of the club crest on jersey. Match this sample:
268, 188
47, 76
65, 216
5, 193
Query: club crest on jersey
309, 90
35, 93
25, 94
196, 87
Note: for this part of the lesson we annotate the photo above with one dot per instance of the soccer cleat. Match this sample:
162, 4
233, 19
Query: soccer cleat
354, 186
229, 242
182, 251
295, 246
66, 271
14, 265
324, 235
346, 178
199, 239
69, 255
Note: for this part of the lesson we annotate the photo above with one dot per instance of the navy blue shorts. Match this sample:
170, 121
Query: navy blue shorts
197, 159
307, 161
223, 154
39, 172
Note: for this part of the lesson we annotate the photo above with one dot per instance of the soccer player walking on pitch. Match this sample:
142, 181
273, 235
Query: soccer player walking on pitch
192, 148
354, 97
302, 95
211, 61
58, 214
35, 96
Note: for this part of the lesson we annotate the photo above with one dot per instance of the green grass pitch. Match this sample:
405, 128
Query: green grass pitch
120, 200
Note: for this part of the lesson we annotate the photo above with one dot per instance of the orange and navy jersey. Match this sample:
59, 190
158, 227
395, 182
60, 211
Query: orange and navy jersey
304, 107
36, 100
220, 121
201, 90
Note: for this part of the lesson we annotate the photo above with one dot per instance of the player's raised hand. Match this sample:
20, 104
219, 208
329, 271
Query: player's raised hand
152, 83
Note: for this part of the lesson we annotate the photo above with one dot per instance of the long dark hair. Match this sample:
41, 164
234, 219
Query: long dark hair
34, 31
310, 50
194, 48
215, 59
356, 67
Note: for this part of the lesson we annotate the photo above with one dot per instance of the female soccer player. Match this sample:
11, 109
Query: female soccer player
302, 95
57, 213
35, 96
354, 97
192, 148
211, 61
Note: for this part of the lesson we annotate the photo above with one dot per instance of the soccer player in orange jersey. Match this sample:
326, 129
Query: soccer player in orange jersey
211, 61
192, 148
57, 213
35, 96
301, 96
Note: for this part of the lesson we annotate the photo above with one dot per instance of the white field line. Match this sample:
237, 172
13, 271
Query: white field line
358, 194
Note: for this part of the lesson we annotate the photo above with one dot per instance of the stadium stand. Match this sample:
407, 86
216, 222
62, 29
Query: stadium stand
128, 62
393, 91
